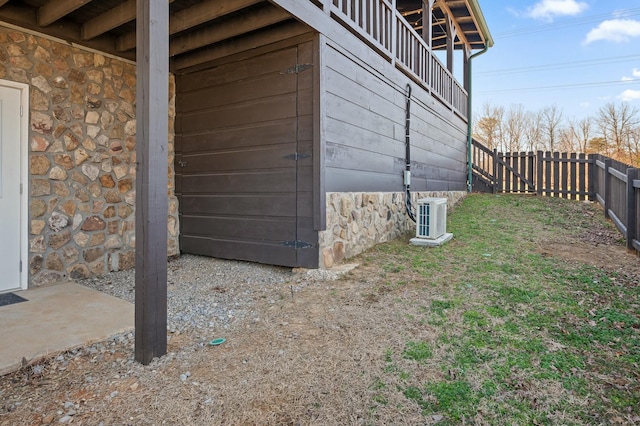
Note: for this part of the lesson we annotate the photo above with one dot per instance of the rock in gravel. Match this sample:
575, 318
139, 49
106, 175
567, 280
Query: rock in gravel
65, 419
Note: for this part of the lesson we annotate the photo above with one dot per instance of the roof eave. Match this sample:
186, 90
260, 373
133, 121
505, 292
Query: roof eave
482, 23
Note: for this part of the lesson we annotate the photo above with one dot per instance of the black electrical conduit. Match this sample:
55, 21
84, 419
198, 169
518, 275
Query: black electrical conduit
407, 173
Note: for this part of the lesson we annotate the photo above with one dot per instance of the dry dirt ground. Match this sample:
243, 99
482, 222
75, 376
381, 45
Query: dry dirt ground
302, 357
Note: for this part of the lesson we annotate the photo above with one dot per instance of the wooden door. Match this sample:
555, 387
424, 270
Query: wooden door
243, 160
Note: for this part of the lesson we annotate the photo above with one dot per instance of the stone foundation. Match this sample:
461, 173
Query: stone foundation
356, 221
82, 159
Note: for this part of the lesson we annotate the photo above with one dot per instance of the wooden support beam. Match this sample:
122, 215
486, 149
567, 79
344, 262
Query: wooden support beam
459, 32
191, 17
3, 2
152, 113
50, 12
241, 44
427, 17
16, 13
113, 18
228, 29
119, 15
451, 37
307, 12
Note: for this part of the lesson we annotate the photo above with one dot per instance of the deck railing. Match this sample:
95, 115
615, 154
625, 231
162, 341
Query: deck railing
371, 19
380, 24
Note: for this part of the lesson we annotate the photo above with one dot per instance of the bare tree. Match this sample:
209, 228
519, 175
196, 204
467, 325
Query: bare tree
567, 140
514, 128
575, 137
533, 131
583, 130
634, 146
616, 123
489, 127
551, 119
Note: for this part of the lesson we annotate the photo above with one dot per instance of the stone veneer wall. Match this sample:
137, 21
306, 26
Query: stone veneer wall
81, 157
357, 221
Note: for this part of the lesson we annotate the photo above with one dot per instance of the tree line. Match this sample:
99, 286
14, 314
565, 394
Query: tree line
613, 131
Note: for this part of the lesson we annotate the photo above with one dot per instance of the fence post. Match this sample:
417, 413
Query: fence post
592, 169
607, 186
632, 211
539, 179
495, 171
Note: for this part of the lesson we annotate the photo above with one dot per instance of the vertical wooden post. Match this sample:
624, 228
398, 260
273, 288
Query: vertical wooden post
582, 177
394, 48
451, 38
592, 173
501, 171
326, 6
530, 174
607, 187
427, 35
564, 173
632, 211
556, 174
151, 179
539, 172
495, 171
574, 178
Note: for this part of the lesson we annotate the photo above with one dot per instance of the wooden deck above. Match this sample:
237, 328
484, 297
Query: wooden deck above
109, 25
201, 31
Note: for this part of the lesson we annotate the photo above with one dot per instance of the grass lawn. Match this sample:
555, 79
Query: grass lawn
521, 335
530, 315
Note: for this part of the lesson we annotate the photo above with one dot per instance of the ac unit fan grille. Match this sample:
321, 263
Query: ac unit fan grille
424, 220
432, 218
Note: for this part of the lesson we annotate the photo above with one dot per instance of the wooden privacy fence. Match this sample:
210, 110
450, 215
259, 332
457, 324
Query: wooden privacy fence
503, 172
562, 175
615, 185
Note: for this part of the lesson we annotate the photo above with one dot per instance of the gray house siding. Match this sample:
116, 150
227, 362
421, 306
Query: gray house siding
364, 122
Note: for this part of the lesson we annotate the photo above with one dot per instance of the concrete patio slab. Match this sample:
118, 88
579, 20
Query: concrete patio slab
57, 318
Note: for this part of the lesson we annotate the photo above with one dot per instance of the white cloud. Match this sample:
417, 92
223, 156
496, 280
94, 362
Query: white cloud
630, 95
585, 104
616, 30
625, 78
548, 9
636, 72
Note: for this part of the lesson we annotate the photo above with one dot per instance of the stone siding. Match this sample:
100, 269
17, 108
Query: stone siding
356, 221
82, 159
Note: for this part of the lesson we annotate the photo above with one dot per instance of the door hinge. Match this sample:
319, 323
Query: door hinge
21, 266
297, 244
20, 189
298, 68
21, 110
297, 156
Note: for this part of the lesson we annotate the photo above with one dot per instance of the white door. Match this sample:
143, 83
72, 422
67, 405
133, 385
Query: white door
11, 245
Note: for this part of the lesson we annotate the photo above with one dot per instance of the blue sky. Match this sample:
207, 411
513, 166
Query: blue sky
577, 54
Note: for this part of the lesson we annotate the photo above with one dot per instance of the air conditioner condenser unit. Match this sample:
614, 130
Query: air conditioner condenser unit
431, 222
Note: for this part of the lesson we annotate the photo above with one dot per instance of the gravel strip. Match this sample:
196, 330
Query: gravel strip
206, 294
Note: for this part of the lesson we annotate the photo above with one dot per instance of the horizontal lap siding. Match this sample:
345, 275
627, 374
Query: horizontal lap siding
240, 196
364, 125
